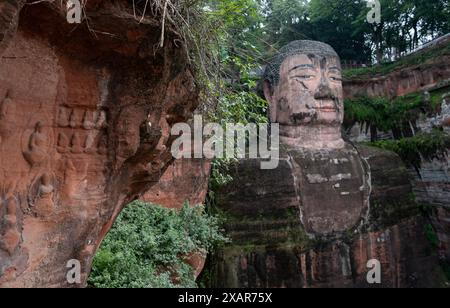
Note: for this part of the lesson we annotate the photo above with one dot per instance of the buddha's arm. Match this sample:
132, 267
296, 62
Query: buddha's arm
32, 144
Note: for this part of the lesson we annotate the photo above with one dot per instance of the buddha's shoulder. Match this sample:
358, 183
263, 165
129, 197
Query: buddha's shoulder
386, 169
377, 155
383, 163
391, 179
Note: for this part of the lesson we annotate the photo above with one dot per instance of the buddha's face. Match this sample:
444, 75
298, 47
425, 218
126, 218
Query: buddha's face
309, 92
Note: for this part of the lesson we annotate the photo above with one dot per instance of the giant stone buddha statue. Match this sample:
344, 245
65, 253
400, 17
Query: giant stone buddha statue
330, 207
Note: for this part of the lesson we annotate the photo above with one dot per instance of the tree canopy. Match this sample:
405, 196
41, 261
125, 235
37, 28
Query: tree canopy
260, 26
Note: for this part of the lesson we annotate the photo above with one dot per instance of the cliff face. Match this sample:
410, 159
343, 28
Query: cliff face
76, 144
431, 183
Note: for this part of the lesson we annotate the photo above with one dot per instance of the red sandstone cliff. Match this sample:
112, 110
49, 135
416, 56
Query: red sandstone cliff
409, 78
75, 142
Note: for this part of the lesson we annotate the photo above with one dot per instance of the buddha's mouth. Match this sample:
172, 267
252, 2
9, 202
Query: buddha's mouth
326, 106
326, 109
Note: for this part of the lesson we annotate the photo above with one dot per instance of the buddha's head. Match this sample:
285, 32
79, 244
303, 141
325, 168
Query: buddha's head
303, 84
38, 127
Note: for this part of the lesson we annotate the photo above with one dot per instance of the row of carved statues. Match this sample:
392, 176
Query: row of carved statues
75, 145
91, 119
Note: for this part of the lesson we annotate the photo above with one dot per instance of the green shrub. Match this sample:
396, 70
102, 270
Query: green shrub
422, 146
146, 245
382, 113
237, 103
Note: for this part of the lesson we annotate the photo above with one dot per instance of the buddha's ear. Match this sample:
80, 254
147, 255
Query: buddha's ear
268, 93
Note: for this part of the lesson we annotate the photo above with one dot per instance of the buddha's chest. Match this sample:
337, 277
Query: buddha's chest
332, 188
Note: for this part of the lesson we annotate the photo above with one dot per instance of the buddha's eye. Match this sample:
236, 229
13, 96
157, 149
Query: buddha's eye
335, 78
304, 77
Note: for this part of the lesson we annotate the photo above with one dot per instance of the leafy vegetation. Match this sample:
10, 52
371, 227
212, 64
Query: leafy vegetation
343, 24
224, 35
382, 113
424, 145
239, 103
398, 115
432, 236
147, 246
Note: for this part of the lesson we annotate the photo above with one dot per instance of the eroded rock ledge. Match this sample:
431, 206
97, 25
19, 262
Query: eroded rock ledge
428, 74
75, 144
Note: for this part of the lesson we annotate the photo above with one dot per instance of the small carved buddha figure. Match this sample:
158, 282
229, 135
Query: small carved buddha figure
90, 146
63, 143
88, 122
63, 117
44, 205
36, 152
7, 111
76, 147
11, 236
73, 121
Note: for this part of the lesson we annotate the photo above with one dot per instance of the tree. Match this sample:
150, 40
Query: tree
334, 23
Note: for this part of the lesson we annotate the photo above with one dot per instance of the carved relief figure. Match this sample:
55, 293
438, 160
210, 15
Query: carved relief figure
10, 240
101, 120
36, 152
7, 111
88, 122
73, 119
128, 134
63, 143
90, 142
76, 147
45, 205
63, 118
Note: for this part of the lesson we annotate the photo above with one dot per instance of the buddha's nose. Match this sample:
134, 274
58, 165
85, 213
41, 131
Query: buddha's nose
324, 91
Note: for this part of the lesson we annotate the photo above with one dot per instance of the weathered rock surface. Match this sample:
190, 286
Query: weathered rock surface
75, 142
432, 182
273, 244
186, 180
9, 20
417, 78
